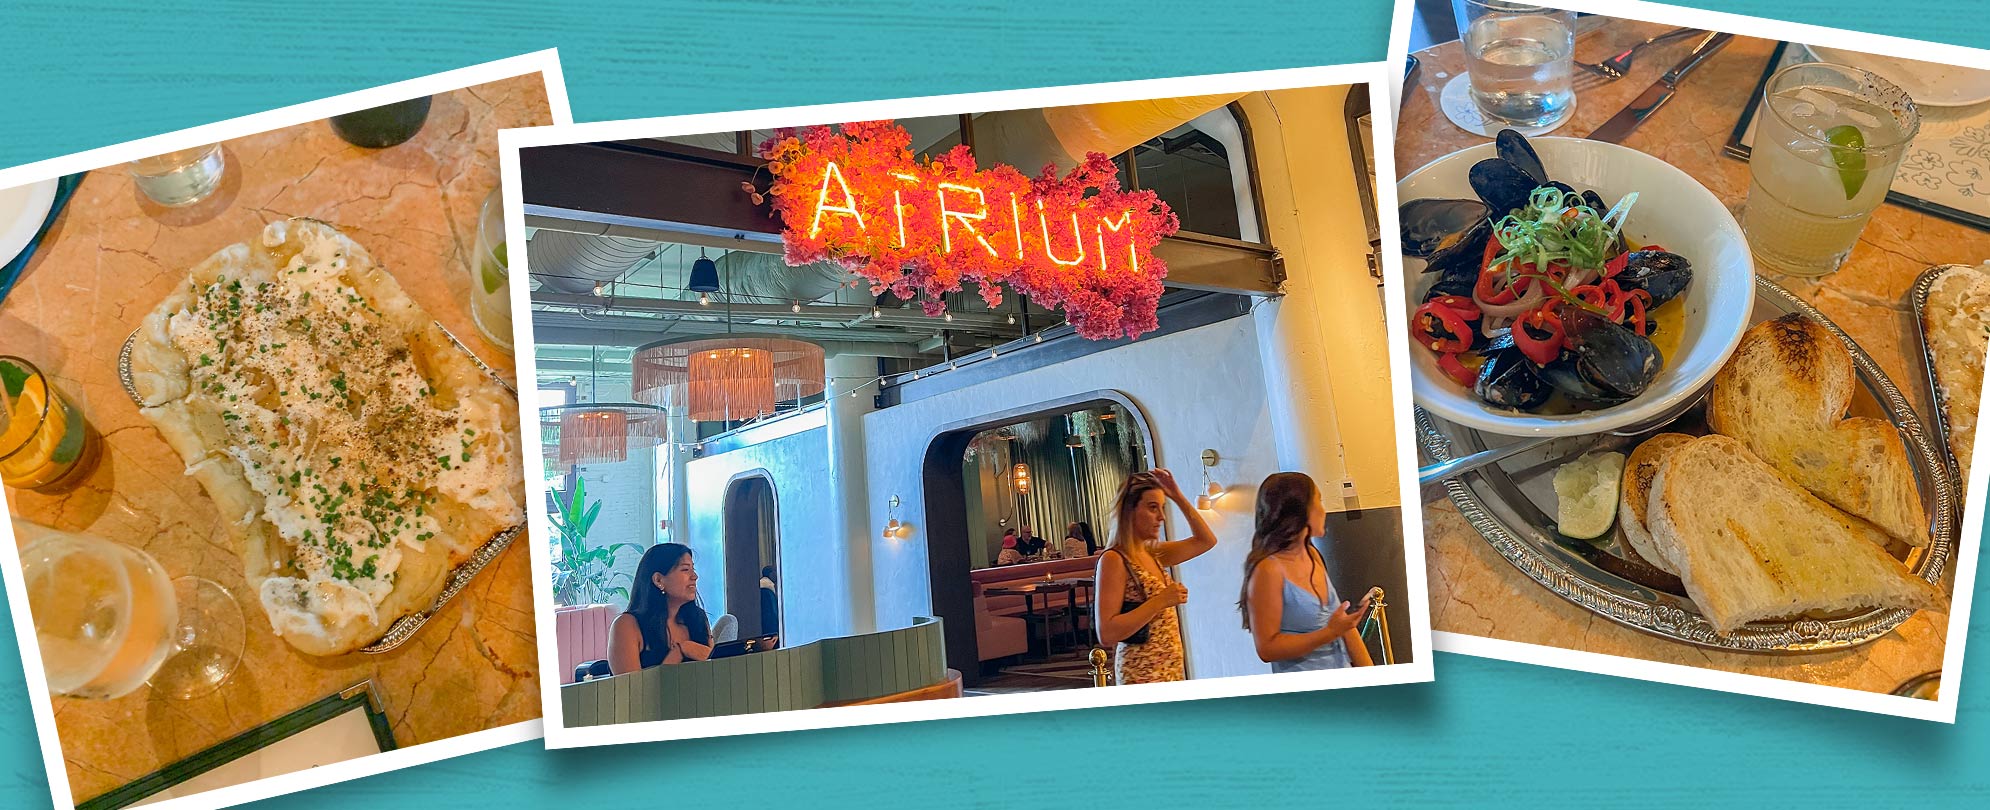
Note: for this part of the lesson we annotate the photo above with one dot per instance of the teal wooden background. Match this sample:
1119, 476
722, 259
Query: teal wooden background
76, 75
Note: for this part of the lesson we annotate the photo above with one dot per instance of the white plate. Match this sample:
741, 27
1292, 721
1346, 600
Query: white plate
1672, 210
22, 211
1929, 84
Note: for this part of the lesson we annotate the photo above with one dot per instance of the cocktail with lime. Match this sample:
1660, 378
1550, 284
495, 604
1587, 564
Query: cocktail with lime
1827, 143
490, 282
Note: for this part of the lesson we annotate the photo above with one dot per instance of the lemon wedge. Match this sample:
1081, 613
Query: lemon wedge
1586, 494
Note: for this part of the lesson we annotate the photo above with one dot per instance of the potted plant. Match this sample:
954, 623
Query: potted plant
584, 575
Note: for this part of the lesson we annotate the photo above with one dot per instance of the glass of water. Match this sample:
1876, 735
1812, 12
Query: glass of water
1520, 58
490, 282
179, 178
1826, 148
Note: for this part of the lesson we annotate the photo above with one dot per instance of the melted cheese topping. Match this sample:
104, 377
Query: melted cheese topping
334, 424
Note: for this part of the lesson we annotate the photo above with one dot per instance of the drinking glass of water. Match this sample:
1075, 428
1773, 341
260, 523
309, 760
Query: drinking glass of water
1824, 156
1520, 58
179, 178
109, 620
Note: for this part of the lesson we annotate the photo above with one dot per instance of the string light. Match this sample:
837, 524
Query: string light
877, 313
949, 316
1012, 317
704, 300
795, 307
597, 289
1038, 337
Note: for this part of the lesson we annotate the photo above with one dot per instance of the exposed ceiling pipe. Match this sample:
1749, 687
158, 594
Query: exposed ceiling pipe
574, 263
820, 314
1027, 139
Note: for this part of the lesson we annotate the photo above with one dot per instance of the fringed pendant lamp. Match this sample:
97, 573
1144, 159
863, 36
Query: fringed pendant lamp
727, 378
600, 433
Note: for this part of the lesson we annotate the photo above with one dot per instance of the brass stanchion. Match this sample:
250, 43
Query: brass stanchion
1101, 668
1380, 615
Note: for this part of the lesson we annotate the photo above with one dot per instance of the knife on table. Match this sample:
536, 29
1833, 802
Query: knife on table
1620, 125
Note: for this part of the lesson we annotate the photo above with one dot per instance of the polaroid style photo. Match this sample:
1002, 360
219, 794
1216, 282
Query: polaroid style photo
962, 405
1699, 308
260, 446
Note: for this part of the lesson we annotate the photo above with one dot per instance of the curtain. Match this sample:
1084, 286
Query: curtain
1075, 466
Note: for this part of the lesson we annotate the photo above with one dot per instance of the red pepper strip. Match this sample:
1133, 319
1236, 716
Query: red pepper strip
1448, 363
1616, 265
1441, 329
1459, 304
1594, 297
1489, 290
1634, 306
1538, 334
1613, 297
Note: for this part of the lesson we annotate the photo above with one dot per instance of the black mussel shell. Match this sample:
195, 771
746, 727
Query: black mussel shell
1509, 380
1595, 200
1464, 256
1451, 284
1662, 274
1514, 148
1560, 186
1502, 185
1609, 357
1565, 375
1433, 225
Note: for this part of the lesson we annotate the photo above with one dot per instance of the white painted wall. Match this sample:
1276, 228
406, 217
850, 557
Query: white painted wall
1200, 389
815, 592
627, 493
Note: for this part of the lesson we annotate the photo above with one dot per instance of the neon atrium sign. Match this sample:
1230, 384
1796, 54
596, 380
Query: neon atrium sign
1078, 243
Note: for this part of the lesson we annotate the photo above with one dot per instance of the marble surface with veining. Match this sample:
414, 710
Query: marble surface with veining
110, 258
1475, 591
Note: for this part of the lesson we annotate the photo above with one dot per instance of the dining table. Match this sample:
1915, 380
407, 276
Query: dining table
1029, 591
108, 260
1474, 591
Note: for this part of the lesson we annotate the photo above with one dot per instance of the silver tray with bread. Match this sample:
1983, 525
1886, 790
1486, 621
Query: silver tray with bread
366, 462
1799, 505
1951, 305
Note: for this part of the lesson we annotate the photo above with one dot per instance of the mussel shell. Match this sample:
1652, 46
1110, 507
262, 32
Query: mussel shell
1565, 375
1660, 273
1464, 257
1514, 148
1432, 225
1509, 380
1612, 359
1501, 184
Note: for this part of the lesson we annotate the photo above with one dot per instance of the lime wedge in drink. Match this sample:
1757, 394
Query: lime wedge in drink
493, 269
1848, 151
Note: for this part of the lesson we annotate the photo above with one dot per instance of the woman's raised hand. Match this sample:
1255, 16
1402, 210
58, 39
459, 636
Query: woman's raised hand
1344, 621
1167, 481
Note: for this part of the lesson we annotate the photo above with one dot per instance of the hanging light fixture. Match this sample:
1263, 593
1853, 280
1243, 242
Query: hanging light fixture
726, 378
600, 433
704, 276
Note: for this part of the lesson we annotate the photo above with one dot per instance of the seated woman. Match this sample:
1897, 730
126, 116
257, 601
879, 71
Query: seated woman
1073, 546
1297, 620
664, 623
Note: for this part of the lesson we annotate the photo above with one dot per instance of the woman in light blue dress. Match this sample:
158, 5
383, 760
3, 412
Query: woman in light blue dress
1295, 616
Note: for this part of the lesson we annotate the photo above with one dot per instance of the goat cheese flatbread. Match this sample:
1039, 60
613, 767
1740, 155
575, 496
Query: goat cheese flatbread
1956, 324
357, 453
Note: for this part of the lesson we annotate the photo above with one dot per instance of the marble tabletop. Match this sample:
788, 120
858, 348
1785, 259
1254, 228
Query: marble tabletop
108, 261
1477, 592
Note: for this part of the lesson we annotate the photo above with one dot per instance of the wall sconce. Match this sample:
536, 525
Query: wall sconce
1021, 476
1210, 489
895, 527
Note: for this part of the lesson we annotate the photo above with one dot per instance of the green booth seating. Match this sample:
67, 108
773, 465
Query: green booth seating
829, 671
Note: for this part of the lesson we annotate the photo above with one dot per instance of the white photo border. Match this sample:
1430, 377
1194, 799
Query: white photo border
1418, 670
1943, 708
546, 64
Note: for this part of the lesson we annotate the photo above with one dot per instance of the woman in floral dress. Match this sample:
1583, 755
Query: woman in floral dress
1136, 599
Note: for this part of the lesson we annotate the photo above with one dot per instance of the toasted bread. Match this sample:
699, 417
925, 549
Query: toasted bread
1753, 545
1634, 492
1784, 395
1955, 322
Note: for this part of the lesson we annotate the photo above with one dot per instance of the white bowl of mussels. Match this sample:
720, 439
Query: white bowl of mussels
1559, 287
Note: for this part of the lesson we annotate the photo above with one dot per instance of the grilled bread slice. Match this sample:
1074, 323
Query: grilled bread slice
1636, 489
1956, 322
1784, 395
1753, 545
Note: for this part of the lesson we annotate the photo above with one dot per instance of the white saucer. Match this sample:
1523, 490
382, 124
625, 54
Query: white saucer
1929, 84
22, 211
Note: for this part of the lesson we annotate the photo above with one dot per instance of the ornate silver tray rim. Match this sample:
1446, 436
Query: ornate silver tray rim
403, 628
1670, 622
1917, 297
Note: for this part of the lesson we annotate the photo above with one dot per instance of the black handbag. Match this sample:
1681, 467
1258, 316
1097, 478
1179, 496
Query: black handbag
1128, 605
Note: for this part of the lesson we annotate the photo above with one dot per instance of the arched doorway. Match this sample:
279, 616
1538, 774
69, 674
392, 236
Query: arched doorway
752, 551
960, 535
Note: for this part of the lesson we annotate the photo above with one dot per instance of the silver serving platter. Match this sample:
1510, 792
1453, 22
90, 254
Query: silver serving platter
1917, 299
1512, 504
403, 628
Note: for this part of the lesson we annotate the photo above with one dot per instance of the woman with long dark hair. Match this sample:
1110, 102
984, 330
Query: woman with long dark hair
1296, 618
1136, 599
664, 623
